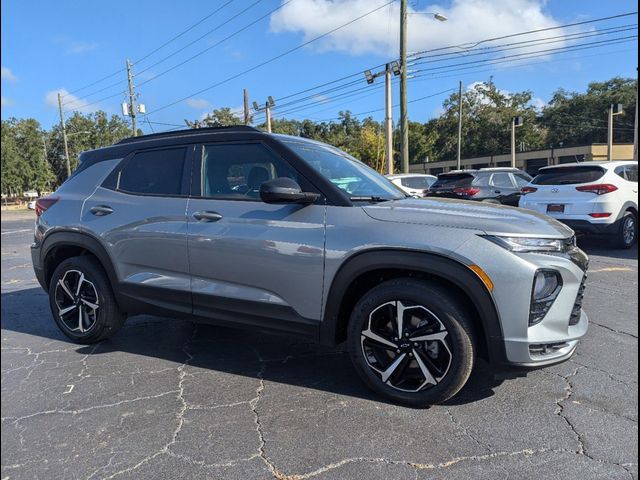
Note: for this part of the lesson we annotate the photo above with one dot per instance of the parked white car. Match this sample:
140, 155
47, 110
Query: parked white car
31, 205
415, 184
591, 197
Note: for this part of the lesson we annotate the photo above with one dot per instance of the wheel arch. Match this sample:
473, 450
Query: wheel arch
61, 245
367, 269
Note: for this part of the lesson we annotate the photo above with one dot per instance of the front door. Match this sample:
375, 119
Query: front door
253, 262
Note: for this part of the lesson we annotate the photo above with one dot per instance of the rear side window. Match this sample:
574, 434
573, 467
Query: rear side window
416, 182
522, 179
632, 173
156, 172
454, 180
569, 175
501, 180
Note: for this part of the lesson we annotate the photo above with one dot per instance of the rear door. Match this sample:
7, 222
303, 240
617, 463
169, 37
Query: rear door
504, 188
556, 193
139, 213
253, 262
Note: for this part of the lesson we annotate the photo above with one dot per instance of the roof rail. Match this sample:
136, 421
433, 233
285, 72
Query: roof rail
189, 131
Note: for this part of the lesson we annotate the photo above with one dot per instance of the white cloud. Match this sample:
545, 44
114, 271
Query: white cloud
198, 103
538, 103
70, 102
8, 76
78, 48
468, 21
6, 102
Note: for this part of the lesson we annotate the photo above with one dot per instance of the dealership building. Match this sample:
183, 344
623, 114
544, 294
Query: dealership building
533, 160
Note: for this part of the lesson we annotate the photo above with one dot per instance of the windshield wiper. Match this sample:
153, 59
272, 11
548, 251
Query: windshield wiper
368, 198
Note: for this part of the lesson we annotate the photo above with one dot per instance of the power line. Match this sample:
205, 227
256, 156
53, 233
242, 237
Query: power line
272, 59
217, 27
121, 70
206, 17
473, 45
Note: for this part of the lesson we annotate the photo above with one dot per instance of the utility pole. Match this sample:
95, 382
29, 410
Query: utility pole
515, 122
395, 69
247, 114
404, 119
614, 109
460, 125
64, 137
267, 110
132, 101
388, 120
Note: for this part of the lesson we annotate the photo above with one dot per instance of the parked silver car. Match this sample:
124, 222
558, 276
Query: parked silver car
238, 227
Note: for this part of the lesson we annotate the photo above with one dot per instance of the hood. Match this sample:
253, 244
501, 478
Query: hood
489, 218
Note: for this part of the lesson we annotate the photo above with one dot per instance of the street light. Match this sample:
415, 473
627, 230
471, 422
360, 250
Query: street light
614, 109
515, 122
404, 119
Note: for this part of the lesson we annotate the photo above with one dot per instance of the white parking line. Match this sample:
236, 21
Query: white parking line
17, 231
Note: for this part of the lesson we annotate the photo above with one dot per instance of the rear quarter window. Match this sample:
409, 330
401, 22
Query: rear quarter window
569, 175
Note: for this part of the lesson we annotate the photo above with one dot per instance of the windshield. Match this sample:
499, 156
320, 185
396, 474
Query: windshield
345, 172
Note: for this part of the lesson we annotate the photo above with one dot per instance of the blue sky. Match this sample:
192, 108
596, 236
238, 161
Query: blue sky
65, 45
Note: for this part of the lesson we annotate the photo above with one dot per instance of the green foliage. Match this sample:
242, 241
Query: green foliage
573, 118
221, 117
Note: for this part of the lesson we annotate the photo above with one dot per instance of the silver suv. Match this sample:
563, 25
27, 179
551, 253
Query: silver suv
233, 226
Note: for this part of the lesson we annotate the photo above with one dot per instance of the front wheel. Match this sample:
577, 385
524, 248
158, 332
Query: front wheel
412, 342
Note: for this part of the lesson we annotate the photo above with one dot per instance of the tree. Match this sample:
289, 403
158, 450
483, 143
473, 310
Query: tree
13, 165
581, 118
221, 117
84, 132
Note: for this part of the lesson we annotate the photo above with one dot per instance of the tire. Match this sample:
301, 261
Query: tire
448, 359
627, 233
100, 317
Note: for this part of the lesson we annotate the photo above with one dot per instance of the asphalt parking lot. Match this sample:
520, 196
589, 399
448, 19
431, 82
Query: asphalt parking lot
169, 399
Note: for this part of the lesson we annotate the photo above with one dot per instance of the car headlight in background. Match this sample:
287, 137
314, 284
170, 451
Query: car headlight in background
529, 244
546, 287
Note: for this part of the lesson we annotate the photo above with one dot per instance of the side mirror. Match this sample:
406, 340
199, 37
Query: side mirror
285, 190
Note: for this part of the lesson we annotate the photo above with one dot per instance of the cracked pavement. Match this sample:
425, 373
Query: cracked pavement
170, 399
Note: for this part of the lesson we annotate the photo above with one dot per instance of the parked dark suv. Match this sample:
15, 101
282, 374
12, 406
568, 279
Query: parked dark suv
491, 185
234, 226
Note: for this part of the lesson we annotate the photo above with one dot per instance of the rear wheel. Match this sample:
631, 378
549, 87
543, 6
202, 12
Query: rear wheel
82, 302
412, 342
627, 233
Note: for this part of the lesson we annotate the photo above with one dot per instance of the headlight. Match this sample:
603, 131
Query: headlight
528, 244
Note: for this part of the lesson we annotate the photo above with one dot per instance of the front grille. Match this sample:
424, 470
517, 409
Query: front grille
577, 307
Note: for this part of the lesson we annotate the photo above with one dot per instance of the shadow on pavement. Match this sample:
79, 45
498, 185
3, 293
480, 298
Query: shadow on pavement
249, 353
602, 247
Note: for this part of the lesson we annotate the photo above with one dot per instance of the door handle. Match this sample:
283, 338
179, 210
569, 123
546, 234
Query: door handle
497, 191
207, 216
101, 210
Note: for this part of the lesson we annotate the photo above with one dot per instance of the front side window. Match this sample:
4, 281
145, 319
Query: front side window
155, 172
236, 171
352, 176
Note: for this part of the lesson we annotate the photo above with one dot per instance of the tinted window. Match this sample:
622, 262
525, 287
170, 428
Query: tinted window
453, 180
157, 172
236, 171
620, 172
632, 173
416, 182
501, 180
522, 179
568, 175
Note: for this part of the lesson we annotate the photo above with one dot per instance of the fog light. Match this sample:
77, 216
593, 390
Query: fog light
546, 287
